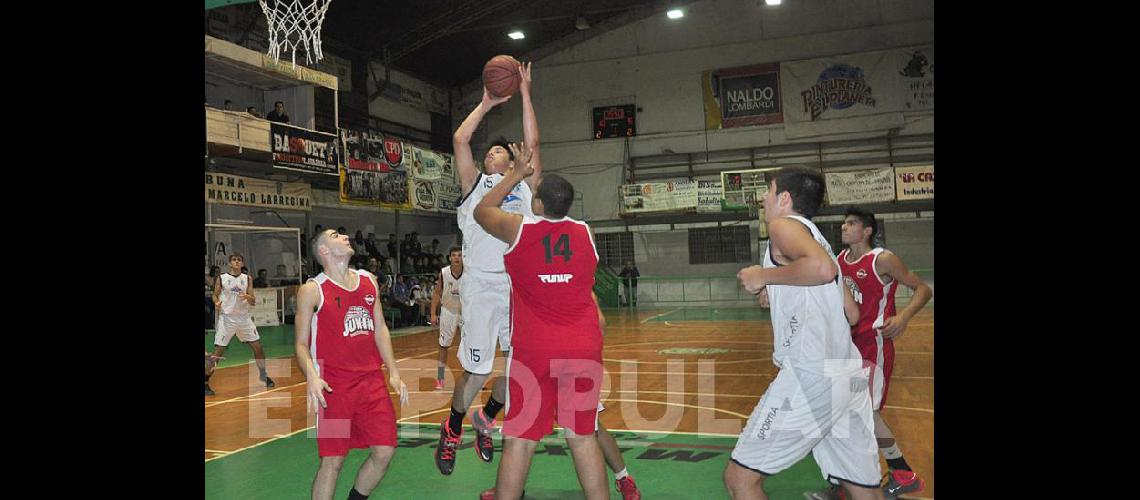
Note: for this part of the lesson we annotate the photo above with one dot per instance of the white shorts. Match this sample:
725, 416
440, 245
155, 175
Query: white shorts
803, 412
448, 324
486, 304
230, 325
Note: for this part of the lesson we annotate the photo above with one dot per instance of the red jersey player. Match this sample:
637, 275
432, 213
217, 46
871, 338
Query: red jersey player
342, 343
873, 275
554, 371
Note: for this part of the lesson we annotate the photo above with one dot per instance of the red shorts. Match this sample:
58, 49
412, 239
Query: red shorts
879, 354
358, 414
546, 386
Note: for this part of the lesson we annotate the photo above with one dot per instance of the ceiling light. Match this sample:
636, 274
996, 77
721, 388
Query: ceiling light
581, 23
516, 35
675, 14
771, 2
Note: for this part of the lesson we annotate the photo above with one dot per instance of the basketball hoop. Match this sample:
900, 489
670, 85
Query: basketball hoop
294, 23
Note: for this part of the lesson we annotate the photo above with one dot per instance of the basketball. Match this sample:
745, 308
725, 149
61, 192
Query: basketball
501, 76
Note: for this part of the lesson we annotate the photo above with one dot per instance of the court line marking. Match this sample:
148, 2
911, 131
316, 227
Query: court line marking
248, 396
255, 445
646, 320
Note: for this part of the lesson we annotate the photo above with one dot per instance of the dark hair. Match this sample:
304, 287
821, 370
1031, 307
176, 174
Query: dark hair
259, 271
557, 194
235, 254
341, 230
229, 101
453, 250
315, 244
805, 186
866, 218
278, 102
502, 141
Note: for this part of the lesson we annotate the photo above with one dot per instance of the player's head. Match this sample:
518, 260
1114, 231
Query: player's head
793, 191
328, 245
499, 156
859, 226
455, 256
236, 262
553, 198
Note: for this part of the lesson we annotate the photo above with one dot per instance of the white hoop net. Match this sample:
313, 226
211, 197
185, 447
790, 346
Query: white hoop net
293, 24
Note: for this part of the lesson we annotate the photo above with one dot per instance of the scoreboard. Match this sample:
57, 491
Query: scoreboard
615, 121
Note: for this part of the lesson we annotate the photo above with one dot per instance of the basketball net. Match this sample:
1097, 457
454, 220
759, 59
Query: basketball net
295, 23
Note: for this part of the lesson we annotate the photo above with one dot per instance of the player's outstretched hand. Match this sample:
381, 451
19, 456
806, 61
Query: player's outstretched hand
316, 396
523, 156
763, 299
752, 278
524, 78
492, 101
400, 388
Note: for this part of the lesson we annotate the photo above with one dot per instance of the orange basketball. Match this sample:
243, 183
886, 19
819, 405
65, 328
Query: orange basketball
501, 76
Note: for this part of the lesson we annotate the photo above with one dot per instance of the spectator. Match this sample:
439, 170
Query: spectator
341, 230
278, 114
318, 228
421, 293
407, 265
406, 246
262, 280
385, 266
210, 278
434, 247
245, 270
358, 244
373, 266
402, 299
630, 275
228, 106
417, 249
370, 246
392, 246
281, 277
253, 111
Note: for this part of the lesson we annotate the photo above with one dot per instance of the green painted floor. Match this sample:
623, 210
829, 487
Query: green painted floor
664, 466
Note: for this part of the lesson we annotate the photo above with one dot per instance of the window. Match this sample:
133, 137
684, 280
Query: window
715, 245
614, 249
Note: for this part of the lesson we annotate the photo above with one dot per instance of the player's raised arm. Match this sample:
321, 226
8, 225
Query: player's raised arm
461, 140
489, 214
530, 126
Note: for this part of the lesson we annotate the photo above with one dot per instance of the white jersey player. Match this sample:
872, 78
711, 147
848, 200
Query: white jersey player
485, 294
233, 299
818, 403
446, 308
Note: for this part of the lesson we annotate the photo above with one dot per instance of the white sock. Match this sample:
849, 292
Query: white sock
891, 453
621, 474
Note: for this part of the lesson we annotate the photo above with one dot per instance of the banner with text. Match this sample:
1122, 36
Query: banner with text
709, 196
229, 189
860, 186
296, 148
915, 183
264, 311
737, 97
857, 92
675, 194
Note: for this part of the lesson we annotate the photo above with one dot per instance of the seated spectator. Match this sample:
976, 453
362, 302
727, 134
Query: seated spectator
262, 280
434, 247
373, 266
421, 294
278, 114
253, 111
401, 298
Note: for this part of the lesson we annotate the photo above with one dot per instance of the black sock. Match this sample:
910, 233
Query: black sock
898, 464
492, 407
355, 495
262, 372
455, 421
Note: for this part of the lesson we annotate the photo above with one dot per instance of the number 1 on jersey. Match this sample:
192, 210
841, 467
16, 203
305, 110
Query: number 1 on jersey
561, 247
